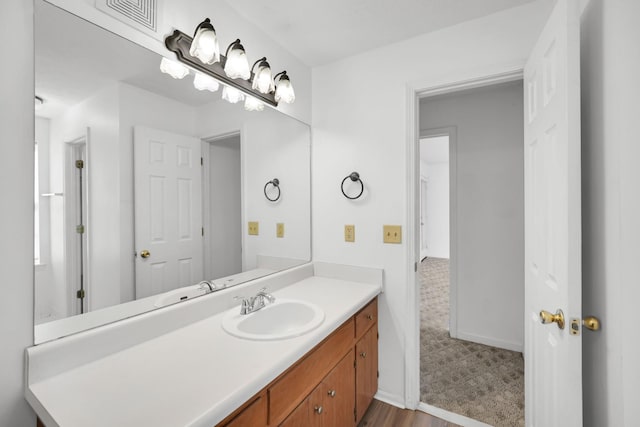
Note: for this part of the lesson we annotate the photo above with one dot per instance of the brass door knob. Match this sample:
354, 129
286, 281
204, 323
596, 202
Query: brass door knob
363, 354
557, 318
145, 254
317, 410
332, 393
592, 323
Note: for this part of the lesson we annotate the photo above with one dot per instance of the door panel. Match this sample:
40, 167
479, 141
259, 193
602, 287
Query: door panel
553, 357
168, 210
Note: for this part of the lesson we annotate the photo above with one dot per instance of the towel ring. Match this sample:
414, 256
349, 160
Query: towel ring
355, 177
276, 184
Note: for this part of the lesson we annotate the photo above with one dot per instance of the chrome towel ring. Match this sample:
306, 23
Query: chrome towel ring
355, 177
275, 182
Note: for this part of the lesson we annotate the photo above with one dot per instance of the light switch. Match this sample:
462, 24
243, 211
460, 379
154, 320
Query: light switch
253, 228
349, 233
392, 233
280, 229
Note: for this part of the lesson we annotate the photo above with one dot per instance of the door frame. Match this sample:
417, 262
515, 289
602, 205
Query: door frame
452, 133
415, 91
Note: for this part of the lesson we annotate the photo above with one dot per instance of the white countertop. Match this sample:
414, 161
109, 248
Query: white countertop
193, 376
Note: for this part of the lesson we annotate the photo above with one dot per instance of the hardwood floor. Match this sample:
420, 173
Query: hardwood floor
381, 414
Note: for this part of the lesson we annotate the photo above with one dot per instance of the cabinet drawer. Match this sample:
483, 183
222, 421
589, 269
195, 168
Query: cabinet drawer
366, 318
303, 377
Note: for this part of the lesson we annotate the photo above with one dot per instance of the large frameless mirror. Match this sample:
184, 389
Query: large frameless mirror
145, 186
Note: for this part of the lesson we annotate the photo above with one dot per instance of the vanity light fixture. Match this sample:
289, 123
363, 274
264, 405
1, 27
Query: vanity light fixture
232, 95
284, 89
204, 82
262, 77
173, 68
205, 43
252, 104
237, 64
201, 55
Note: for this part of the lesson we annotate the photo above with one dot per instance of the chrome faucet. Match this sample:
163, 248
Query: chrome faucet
255, 303
207, 286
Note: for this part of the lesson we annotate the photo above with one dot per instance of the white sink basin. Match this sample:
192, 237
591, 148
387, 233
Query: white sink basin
285, 318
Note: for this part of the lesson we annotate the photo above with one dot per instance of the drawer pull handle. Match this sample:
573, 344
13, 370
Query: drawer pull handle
332, 393
370, 316
318, 410
363, 354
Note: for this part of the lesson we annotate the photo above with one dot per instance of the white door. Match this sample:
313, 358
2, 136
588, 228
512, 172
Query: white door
168, 211
553, 356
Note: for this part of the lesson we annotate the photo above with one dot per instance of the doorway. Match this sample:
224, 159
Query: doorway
471, 326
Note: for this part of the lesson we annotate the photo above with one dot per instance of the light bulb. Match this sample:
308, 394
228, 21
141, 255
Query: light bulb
204, 82
237, 65
205, 43
284, 90
263, 79
232, 95
173, 68
252, 104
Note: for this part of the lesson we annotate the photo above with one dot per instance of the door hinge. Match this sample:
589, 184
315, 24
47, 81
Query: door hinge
378, 374
79, 164
201, 161
80, 229
203, 231
415, 267
355, 415
80, 294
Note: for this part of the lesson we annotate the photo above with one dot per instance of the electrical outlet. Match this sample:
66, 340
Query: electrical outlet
253, 228
280, 229
392, 233
349, 233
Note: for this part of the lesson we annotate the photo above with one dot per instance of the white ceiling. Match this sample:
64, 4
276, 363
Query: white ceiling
320, 32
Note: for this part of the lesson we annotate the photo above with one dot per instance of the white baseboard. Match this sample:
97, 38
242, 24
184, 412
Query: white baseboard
390, 399
450, 416
491, 341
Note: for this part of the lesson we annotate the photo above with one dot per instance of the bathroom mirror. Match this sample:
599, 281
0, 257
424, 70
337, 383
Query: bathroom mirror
145, 186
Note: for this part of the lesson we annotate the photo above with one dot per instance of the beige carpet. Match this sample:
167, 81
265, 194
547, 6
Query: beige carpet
475, 380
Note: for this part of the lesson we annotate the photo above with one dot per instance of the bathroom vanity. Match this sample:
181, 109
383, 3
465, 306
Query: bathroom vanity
179, 367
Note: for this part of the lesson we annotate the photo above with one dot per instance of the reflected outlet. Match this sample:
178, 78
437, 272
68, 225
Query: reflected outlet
253, 228
349, 233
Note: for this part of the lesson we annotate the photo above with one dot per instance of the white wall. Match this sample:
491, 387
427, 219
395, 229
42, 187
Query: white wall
611, 211
16, 215
229, 25
489, 196
273, 146
360, 123
436, 215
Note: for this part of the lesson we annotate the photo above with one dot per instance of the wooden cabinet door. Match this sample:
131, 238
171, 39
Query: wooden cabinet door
253, 415
300, 416
339, 394
366, 370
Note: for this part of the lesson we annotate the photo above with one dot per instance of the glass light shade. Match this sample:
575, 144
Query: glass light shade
232, 95
237, 66
204, 82
252, 104
263, 79
173, 68
284, 90
205, 45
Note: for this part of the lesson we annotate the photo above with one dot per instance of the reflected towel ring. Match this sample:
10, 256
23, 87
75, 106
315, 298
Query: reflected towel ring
276, 183
355, 177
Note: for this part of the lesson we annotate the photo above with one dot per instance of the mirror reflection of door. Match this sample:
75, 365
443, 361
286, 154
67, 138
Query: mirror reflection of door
423, 218
168, 211
76, 227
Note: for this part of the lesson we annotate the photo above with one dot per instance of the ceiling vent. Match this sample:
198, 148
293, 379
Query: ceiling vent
143, 15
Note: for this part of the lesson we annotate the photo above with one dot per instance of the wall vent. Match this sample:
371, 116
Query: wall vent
143, 15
